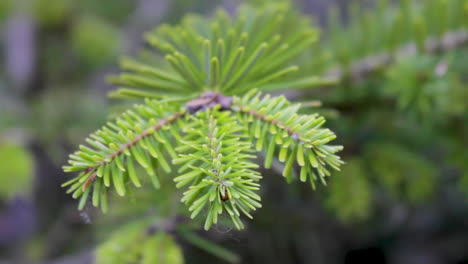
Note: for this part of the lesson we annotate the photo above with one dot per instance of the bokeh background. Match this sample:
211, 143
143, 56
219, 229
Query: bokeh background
401, 198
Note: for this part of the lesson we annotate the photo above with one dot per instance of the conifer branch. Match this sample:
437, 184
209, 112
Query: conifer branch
136, 136
217, 158
195, 124
201, 56
126, 146
361, 68
274, 122
148, 132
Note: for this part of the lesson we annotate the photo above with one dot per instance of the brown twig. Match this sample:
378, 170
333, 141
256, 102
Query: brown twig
263, 117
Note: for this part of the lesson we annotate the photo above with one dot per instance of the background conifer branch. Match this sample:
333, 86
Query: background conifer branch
360, 69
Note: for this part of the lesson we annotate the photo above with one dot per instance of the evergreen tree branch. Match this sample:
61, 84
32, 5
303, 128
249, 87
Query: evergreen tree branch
223, 54
136, 136
276, 126
207, 63
360, 69
216, 156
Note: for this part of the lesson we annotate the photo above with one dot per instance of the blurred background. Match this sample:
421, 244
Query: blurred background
401, 197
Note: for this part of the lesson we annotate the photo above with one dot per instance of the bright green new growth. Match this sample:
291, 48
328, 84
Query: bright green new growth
274, 125
207, 116
216, 153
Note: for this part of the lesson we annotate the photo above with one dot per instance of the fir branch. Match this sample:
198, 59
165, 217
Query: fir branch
196, 122
125, 147
135, 136
274, 122
215, 162
242, 56
148, 132
362, 68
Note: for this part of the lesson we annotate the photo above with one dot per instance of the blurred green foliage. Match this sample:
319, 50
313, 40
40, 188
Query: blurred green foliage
94, 40
401, 103
406, 175
51, 13
4, 9
133, 243
16, 170
75, 117
427, 87
116, 11
350, 193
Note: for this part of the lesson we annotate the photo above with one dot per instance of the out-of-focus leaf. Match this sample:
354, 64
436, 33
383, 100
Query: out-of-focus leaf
95, 41
52, 12
134, 244
16, 168
161, 249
